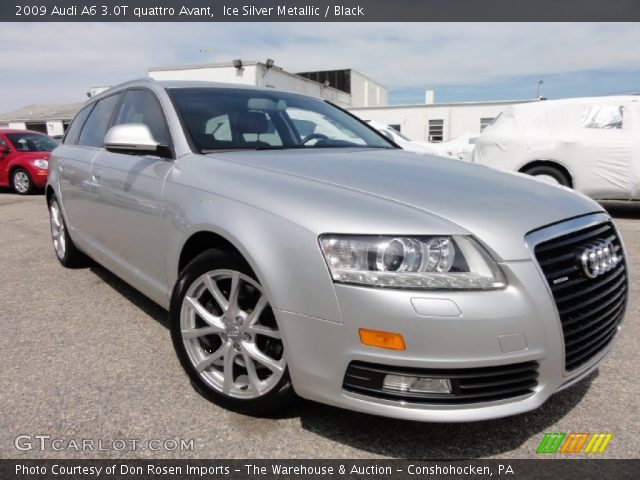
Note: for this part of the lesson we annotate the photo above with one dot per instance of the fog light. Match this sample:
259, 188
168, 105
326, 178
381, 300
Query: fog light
376, 338
401, 383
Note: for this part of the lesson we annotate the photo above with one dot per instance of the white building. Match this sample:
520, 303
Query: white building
346, 88
50, 119
436, 122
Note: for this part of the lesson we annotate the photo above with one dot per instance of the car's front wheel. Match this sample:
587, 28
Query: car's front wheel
21, 182
226, 335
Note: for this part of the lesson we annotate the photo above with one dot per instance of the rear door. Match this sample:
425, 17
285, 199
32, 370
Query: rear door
82, 143
128, 211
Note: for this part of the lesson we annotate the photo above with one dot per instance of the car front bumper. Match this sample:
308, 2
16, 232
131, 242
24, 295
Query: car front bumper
39, 177
441, 330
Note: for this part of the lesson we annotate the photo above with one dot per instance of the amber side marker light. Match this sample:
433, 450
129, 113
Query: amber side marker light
376, 338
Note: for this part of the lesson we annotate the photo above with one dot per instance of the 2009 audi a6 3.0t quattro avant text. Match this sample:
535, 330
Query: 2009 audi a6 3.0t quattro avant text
297, 250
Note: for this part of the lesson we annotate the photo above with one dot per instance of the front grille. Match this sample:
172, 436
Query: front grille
469, 385
590, 309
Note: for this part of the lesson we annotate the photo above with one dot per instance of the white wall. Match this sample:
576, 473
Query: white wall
245, 76
18, 125
282, 80
414, 119
367, 92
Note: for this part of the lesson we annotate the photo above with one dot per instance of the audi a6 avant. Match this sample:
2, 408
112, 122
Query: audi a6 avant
334, 265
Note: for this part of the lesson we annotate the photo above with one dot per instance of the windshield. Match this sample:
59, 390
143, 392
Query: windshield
31, 142
218, 119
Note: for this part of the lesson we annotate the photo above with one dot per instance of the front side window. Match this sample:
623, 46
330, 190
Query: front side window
31, 142
95, 128
73, 132
235, 119
141, 106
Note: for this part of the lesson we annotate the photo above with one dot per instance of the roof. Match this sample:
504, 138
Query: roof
176, 84
42, 113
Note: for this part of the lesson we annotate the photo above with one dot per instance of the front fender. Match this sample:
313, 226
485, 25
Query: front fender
285, 257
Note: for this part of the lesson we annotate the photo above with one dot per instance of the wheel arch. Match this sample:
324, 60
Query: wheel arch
202, 241
49, 193
549, 163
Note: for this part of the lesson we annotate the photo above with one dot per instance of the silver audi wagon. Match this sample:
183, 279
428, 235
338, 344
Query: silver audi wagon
299, 252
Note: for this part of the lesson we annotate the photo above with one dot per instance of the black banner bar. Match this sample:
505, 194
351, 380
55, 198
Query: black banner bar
319, 10
318, 469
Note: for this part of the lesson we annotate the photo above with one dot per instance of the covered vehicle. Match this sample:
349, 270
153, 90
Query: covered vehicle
589, 144
459, 147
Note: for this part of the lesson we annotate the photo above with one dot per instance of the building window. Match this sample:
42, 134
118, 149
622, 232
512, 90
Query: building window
436, 130
485, 122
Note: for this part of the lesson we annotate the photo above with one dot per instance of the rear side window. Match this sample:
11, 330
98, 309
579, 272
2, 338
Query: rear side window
96, 126
71, 137
141, 106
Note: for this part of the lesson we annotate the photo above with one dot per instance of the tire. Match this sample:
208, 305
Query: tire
66, 251
550, 174
225, 346
21, 182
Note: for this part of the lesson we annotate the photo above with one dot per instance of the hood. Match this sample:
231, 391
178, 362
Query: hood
499, 208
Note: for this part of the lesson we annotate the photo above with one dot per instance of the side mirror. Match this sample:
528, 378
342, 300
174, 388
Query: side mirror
3, 150
135, 138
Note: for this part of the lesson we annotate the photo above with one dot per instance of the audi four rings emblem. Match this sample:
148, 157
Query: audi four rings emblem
598, 259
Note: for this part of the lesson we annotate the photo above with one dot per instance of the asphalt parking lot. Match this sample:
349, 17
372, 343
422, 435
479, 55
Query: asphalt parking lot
84, 356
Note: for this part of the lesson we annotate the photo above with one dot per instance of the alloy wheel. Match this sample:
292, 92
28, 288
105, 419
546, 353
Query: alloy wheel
230, 334
21, 181
58, 232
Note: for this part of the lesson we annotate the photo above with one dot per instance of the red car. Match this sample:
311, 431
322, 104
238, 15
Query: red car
24, 159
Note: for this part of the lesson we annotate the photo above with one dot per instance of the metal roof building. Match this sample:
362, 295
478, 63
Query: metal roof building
50, 119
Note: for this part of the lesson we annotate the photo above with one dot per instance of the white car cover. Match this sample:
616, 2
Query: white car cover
597, 141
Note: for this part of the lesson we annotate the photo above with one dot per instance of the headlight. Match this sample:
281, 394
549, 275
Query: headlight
424, 263
41, 163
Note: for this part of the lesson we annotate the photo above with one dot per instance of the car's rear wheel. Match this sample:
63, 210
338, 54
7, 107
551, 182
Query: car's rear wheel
66, 251
21, 182
226, 335
549, 174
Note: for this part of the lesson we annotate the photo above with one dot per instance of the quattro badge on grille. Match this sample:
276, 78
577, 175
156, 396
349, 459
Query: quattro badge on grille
598, 259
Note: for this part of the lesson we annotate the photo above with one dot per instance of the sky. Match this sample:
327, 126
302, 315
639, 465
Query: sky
57, 63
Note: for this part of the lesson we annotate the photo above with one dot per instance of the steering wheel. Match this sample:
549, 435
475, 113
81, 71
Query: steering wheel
313, 136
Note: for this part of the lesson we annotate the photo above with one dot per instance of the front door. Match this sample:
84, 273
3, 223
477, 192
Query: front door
128, 209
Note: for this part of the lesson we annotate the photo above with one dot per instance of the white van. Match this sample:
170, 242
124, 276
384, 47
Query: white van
589, 144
